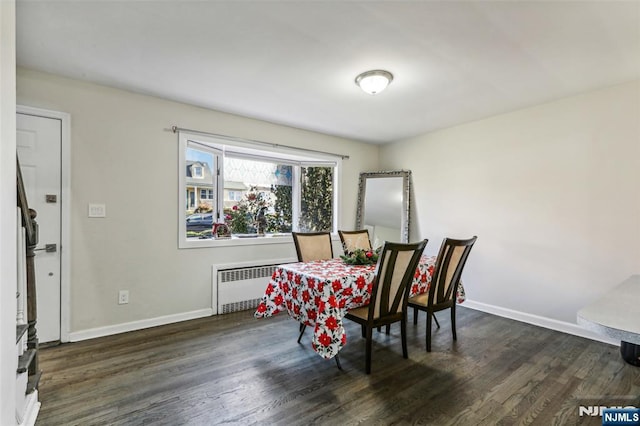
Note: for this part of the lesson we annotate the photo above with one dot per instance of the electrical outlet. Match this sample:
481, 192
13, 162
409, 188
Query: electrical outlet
123, 297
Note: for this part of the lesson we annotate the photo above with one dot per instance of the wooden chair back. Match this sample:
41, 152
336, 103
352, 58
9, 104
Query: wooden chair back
394, 272
448, 269
352, 240
313, 246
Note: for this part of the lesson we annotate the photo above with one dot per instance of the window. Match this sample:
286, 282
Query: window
197, 171
234, 195
316, 207
256, 191
206, 194
199, 185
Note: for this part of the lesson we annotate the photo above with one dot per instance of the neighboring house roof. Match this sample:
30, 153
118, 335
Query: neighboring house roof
204, 181
235, 186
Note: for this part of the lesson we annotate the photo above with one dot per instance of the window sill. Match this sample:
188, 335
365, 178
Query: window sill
248, 240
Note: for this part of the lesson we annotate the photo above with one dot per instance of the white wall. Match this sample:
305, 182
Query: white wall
551, 191
123, 157
8, 359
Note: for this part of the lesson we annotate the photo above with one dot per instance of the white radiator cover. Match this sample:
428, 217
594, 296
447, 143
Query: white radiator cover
240, 286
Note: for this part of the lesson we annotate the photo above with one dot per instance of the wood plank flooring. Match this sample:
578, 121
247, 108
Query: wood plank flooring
234, 369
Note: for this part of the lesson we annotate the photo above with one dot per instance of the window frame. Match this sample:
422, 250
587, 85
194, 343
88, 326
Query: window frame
222, 147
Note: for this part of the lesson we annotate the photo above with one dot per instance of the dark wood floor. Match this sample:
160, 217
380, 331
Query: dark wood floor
234, 369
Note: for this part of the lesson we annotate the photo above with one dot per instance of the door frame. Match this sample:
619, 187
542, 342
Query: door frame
65, 206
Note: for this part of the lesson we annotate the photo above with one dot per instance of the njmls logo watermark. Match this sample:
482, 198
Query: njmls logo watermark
612, 415
621, 416
598, 410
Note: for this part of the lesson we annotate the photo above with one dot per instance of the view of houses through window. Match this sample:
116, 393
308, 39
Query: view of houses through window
258, 196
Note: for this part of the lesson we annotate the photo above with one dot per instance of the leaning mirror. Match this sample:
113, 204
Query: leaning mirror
384, 205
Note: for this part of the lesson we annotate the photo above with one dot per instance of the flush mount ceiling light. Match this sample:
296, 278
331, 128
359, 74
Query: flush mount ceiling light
374, 81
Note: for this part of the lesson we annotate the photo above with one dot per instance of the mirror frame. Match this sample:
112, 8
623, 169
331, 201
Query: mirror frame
406, 201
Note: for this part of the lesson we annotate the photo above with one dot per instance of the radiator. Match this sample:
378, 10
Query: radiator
240, 287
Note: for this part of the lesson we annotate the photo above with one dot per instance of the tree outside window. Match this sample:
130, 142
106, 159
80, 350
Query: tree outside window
316, 210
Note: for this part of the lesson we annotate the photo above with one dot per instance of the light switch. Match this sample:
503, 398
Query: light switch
97, 210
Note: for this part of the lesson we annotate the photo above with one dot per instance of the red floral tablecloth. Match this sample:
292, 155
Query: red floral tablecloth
319, 293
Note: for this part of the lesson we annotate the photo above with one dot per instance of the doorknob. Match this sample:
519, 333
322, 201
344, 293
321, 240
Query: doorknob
49, 248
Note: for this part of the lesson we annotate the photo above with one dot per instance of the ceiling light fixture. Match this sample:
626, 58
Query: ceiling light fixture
374, 81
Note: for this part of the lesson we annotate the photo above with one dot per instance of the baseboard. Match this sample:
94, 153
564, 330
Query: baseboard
32, 410
109, 330
562, 326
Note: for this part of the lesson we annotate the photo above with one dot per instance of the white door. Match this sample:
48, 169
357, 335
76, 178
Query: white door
39, 142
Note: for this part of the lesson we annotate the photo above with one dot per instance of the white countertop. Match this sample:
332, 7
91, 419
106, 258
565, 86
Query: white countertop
617, 313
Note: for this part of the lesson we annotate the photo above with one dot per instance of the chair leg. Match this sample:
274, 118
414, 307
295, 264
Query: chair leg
429, 316
337, 358
363, 331
403, 333
368, 350
415, 316
388, 328
302, 328
453, 321
436, 320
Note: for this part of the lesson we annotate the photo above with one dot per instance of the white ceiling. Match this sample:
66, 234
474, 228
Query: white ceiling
294, 62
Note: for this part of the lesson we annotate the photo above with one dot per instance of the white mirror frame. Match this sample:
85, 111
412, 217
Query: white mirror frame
406, 202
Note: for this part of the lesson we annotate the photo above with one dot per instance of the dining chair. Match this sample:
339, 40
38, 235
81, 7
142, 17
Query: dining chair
352, 240
442, 292
312, 246
390, 290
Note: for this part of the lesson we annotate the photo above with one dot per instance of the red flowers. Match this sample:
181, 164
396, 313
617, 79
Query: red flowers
331, 323
324, 339
278, 300
369, 254
333, 302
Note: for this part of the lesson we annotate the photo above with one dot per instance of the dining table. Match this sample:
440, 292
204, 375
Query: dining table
319, 293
